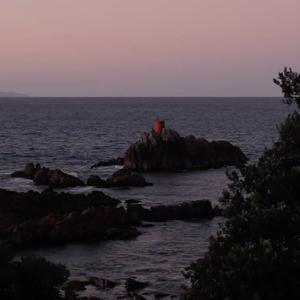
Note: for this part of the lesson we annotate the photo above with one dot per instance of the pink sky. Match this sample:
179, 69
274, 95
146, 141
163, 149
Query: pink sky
147, 47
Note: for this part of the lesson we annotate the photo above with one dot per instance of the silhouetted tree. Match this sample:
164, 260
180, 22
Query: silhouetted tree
256, 253
31, 278
289, 82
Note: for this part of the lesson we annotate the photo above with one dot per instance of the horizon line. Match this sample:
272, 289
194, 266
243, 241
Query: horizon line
118, 97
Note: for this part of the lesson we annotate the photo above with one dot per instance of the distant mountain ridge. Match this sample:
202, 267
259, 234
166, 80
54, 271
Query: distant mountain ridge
12, 95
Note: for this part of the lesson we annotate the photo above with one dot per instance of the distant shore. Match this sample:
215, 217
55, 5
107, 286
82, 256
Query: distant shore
12, 95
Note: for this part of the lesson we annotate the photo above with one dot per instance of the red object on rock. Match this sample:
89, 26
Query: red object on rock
159, 125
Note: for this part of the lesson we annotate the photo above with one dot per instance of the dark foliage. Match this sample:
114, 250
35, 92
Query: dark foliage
256, 253
289, 82
31, 278
37, 278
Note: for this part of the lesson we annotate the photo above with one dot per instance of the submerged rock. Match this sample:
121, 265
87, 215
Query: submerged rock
45, 176
111, 162
168, 151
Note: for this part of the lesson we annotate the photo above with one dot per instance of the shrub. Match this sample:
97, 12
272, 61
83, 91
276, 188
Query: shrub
256, 253
36, 278
31, 278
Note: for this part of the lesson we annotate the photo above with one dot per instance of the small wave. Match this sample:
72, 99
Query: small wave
80, 190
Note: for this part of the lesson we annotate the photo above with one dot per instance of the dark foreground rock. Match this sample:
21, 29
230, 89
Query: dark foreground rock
184, 211
168, 151
44, 176
121, 178
34, 219
132, 285
96, 181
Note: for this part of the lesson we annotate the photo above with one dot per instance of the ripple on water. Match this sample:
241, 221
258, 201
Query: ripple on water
74, 134
159, 255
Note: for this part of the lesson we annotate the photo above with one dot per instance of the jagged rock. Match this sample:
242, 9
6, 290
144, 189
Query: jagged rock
98, 223
21, 206
121, 178
45, 176
29, 171
156, 152
168, 151
56, 178
202, 154
32, 218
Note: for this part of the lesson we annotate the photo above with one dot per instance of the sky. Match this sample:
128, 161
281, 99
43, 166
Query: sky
147, 47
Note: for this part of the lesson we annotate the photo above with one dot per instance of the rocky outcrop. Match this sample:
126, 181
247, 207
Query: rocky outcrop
31, 218
183, 211
45, 176
56, 179
125, 177
121, 178
100, 223
201, 154
28, 172
35, 219
168, 151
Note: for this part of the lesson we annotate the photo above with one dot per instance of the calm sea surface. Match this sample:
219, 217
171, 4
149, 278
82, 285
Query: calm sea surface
74, 133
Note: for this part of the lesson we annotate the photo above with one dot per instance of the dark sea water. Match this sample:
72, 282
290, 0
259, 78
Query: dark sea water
74, 133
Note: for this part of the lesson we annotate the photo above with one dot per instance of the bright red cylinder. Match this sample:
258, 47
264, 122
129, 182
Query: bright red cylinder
159, 126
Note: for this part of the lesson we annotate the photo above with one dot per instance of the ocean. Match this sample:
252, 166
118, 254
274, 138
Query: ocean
74, 133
